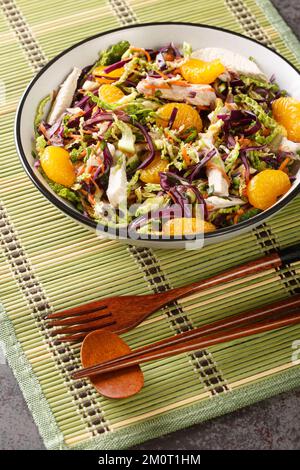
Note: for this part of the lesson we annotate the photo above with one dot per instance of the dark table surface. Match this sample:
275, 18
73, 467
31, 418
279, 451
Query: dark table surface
271, 424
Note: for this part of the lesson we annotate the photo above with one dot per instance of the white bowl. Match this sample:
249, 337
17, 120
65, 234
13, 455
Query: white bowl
152, 35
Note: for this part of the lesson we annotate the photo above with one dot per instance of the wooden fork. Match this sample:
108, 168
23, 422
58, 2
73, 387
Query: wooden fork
122, 313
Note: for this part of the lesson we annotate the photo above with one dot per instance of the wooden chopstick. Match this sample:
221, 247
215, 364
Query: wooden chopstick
191, 341
266, 311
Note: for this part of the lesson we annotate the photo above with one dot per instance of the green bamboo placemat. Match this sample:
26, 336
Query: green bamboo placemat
48, 262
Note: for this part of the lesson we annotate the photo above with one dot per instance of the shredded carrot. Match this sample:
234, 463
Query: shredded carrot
74, 116
88, 131
163, 75
177, 71
244, 192
266, 132
91, 199
284, 164
156, 87
43, 129
140, 49
237, 215
244, 142
95, 110
80, 170
75, 136
202, 108
163, 85
169, 57
172, 197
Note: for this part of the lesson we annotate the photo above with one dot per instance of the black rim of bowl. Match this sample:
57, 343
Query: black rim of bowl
72, 212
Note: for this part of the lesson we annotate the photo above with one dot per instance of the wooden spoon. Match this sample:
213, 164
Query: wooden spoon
101, 346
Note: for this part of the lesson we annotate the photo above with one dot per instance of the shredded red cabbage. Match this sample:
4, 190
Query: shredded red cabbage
252, 129
246, 165
230, 141
196, 170
239, 118
169, 179
172, 50
108, 158
116, 65
258, 147
165, 213
178, 195
84, 100
52, 130
201, 200
148, 139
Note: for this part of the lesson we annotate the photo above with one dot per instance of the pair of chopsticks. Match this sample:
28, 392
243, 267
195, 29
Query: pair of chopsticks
231, 328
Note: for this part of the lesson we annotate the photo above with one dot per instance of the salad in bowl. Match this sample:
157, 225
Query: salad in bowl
144, 137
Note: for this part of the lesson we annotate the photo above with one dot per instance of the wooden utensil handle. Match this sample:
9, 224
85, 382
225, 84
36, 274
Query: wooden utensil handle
210, 340
253, 267
285, 256
233, 321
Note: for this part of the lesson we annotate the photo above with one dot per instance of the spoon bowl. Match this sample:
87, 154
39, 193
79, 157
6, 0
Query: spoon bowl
101, 346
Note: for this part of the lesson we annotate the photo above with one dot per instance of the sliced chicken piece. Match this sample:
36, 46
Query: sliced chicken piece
215, 168
64, 97
198, 95
216, 175
217, 181
289, 146
89, 85
233, 61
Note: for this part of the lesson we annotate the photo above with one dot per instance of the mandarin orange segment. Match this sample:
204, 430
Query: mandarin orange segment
286, 111
186, 116
150, 174
56, 163
187, 226
266, 187
199, 71
113, 74
110, 93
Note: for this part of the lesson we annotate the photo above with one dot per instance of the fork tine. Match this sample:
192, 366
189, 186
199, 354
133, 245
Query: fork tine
87, 308
86, 318
79, 336
81, 328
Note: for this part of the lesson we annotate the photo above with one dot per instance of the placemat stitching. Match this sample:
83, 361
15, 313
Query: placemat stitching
269, 244
29, 43
123, 11
248, 21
